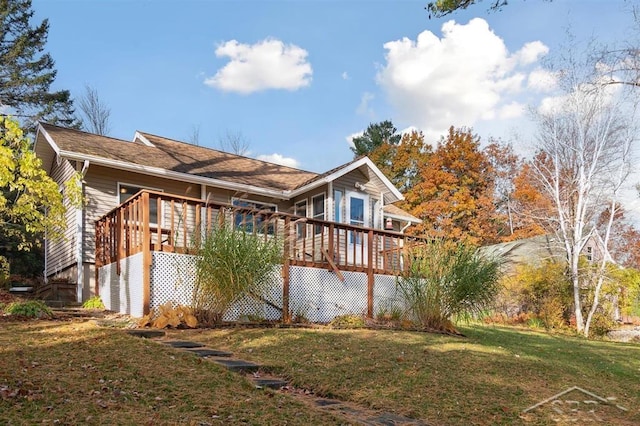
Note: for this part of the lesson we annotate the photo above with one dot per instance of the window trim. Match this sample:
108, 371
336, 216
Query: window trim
338, 206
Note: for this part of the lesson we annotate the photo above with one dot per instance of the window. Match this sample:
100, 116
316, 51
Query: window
589, 253
247, 221
127, 191
337, 199
301, 210
318, 210
357, 214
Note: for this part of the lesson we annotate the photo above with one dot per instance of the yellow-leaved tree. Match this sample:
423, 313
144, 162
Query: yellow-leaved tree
30, 201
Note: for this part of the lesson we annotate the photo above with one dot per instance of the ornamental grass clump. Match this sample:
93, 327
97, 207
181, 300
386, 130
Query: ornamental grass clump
446, 282
233, 264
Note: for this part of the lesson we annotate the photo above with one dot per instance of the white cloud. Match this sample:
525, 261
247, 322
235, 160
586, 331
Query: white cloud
465, 76
345, 76
349, 138
268, 64
364, 108
511, 110
542, 80
280, 159
532, 52
409, 130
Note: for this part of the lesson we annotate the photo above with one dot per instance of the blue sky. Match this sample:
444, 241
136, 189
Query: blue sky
296, 78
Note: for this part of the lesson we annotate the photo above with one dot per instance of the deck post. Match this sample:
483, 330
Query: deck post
286, 314
120, 254
146, 254
370, 277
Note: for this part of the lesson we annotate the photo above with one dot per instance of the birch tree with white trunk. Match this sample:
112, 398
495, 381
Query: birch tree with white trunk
585, 140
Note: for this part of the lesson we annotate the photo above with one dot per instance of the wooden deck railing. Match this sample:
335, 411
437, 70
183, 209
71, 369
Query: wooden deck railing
157, 221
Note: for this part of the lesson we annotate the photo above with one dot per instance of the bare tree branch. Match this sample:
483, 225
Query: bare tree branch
95, 113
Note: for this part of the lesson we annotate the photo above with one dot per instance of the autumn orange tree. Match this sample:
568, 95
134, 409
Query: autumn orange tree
401, 162
454, 195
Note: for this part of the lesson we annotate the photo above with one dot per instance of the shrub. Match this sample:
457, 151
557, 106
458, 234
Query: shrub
601, 323
347, 321
544, 291
233, 264
31, 309
94, 302
448, 281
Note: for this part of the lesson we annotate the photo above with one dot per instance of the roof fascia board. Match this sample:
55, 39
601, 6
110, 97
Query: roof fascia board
142, 138
41, 131
405, 218
349, 168
48, 138
159, 172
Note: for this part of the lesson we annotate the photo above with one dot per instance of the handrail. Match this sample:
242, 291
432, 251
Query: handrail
181, 221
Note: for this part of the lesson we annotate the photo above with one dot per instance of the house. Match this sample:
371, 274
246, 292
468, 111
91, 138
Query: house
541, 248
341, 206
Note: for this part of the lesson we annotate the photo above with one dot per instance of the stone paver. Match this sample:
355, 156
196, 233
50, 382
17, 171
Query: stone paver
183, 344
205, 353
237, 364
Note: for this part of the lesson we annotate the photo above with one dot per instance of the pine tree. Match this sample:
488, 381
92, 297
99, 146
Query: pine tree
27, 71
375, 135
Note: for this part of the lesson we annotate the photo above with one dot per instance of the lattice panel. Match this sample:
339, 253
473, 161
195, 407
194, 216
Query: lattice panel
385, 295
315, 294
267, 307
319, 296
173, 279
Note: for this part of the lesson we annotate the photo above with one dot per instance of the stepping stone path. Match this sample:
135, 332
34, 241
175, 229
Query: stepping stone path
349, 411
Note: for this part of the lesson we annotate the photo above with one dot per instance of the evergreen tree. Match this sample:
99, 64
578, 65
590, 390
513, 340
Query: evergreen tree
27, 72
375, 135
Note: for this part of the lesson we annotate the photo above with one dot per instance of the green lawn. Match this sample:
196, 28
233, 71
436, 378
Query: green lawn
79, 373
488, 377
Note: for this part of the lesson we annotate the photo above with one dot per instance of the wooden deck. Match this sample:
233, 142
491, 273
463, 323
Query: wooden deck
156, 221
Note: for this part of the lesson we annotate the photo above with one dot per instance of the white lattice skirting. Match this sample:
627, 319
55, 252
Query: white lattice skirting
314, 294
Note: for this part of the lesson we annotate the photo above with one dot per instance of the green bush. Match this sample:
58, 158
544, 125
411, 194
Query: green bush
448, 281
31, 309
233, 264
94, 302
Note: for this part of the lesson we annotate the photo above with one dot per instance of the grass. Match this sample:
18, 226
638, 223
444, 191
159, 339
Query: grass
75, 372
486, 378
56, 372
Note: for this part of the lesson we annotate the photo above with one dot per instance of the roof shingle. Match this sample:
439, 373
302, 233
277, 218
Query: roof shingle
181, 157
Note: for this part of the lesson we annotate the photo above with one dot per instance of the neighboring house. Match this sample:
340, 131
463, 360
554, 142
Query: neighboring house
536, 250
113, 170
